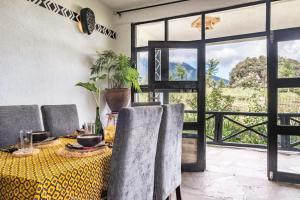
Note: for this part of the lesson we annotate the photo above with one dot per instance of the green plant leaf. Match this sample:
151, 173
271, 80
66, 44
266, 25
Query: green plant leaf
96, 78
88, 86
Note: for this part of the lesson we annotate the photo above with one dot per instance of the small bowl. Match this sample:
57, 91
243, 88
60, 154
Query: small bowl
39, 136
89, 140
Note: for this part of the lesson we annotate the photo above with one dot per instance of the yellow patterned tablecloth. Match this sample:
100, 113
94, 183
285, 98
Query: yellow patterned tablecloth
50, 177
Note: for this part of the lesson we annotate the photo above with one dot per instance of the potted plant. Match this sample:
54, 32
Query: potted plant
124, 76
120, 74
96, 94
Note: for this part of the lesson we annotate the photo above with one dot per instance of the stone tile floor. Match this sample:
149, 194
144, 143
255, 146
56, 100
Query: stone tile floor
240, 174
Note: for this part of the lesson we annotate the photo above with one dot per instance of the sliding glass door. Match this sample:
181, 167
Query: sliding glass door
176, 74
284, 105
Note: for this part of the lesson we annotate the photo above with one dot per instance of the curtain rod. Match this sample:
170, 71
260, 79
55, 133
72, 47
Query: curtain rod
152, 6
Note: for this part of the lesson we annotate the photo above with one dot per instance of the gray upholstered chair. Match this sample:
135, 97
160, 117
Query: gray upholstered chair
153, 103
60, 119
133, 157
168, 156
15, 118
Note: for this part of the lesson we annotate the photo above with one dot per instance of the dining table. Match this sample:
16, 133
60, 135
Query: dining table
50, 176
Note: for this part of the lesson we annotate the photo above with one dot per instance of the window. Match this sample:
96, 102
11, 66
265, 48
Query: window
289, 101
180, 65
288, 163
285, 14
236, 75
236, 22
185, 29
183, 64
142, 66
150, 31
289, 59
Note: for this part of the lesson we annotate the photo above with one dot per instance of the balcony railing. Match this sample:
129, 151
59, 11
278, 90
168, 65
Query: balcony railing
246, 129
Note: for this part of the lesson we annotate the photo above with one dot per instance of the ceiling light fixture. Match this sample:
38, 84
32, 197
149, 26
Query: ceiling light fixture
210, 22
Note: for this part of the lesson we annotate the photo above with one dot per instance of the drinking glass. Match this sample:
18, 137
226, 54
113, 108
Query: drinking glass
90, 128
26, 140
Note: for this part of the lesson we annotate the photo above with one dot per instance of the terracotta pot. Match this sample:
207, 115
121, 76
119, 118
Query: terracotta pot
117, 98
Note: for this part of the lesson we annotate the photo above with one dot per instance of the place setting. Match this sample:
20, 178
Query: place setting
30, 143
87, 144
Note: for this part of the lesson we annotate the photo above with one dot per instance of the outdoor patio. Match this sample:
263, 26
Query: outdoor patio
238, 174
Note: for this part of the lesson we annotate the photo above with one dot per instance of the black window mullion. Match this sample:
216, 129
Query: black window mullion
166, 30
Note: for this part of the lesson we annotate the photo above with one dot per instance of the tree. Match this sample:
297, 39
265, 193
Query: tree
215, 100
180, 71
252, 72
287, 69
222, 84
212, 69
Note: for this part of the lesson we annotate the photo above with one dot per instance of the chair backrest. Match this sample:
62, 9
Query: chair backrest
168, 156
137, 104
60, 119
15, 118
133, 157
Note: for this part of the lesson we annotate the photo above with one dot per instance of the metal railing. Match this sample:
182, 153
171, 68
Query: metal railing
246, 129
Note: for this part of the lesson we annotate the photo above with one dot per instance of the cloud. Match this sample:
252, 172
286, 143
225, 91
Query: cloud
289, 49
183, 56
231, 54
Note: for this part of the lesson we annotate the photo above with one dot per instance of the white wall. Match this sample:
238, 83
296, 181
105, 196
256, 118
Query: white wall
43, 55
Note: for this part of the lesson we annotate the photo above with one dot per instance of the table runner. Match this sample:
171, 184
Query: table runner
49, 176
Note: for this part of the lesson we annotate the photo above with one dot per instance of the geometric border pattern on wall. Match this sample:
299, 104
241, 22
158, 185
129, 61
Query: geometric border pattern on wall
58, 9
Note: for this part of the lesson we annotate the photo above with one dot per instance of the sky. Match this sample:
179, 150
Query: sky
290, 49
188, 56
229, 55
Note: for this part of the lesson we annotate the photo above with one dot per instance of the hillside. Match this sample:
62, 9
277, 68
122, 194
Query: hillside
252, 72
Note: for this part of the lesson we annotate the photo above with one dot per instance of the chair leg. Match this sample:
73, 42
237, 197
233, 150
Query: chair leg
178, 193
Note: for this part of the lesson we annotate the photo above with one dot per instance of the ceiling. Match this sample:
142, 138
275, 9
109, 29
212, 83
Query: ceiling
118, 5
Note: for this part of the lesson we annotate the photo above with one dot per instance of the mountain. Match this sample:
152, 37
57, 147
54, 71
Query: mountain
192, 73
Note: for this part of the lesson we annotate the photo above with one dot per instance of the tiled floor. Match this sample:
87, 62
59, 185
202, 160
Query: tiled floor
239, 174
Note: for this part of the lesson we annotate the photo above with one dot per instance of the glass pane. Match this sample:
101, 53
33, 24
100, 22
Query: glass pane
236, 76
183, 64
150, 31
289, 106
237, 21
288, 100
285, 14
190, 102
288, 154
142, 97
148, 97
142, 66
185, 29
289, 59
